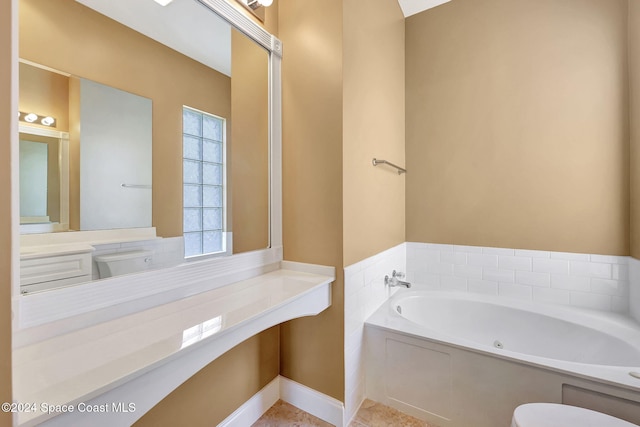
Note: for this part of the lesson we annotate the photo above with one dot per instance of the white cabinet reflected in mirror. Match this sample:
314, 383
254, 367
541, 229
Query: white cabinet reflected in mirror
118, 83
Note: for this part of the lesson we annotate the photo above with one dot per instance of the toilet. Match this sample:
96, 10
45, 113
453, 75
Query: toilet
557, 415
119, 263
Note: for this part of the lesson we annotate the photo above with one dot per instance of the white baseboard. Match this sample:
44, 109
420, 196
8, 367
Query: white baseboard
315, 403
253, 408
309, 400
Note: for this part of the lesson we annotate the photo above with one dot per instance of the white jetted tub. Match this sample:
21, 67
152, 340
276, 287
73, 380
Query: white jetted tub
462, 359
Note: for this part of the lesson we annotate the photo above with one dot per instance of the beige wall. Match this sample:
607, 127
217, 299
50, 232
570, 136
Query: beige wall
118, 63
517, 125
74, 153
634, 102
45, 93
249, 151
312, 348
374, 126
8, 136
221, 387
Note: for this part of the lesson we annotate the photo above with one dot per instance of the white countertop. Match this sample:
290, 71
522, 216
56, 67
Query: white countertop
82, 365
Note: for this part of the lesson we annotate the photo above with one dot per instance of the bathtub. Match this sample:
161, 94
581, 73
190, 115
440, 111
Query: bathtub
461, 359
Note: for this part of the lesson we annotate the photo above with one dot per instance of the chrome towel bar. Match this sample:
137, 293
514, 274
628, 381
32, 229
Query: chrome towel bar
377, 162
135, 186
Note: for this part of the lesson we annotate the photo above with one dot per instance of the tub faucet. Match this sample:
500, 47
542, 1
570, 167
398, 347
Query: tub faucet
394, 280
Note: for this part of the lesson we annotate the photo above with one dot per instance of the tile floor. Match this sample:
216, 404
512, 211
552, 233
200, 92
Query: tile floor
374, 414
370, 414
283, 414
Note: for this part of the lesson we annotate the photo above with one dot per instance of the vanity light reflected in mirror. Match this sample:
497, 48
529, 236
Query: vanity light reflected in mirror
37, 119
254, 4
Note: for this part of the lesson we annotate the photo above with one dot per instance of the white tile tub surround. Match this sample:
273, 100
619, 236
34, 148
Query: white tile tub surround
599, 282
582, 280
167, 252
634, 288
364, 292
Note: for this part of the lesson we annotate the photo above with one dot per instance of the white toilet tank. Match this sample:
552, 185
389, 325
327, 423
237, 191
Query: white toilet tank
119, 263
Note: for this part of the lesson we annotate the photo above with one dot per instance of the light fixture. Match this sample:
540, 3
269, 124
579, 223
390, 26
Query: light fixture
47, 121
163, 2
252, 5
37, 119
256, 7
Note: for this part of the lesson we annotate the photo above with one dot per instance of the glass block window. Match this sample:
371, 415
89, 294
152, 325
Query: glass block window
203, 179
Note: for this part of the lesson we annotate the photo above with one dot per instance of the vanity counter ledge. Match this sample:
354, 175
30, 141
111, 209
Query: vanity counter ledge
140, 358
42, 251
94, 237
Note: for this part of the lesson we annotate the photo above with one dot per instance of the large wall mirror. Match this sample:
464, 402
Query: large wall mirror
161, 122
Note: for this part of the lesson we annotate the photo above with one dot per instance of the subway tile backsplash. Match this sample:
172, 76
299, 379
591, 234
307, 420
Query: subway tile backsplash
599, 282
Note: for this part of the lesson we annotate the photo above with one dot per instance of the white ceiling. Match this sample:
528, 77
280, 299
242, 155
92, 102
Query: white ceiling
411, 7
183, 25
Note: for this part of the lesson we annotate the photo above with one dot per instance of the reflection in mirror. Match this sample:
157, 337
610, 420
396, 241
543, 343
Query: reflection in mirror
34, 174
44, 180
152, 64
39, 180
115, 158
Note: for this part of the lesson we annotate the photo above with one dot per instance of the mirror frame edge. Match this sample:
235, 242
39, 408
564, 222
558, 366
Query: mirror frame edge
254, 31
239, 20
25, 309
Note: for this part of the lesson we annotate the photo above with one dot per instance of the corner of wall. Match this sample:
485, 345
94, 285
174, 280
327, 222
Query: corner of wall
633, 58
373, 127
634, 288
365, 291
8, 191
312, 348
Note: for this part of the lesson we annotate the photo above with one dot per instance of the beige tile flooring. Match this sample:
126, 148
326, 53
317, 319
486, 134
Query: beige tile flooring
370, 414
374, 414
283, 414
